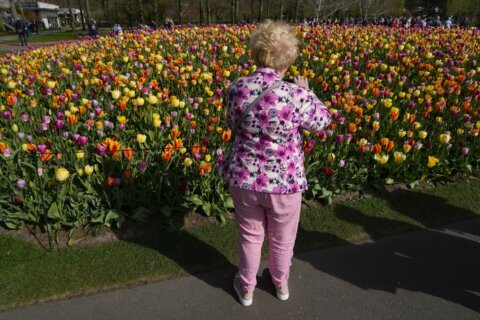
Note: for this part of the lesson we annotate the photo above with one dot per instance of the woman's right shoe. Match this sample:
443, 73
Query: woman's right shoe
282, 292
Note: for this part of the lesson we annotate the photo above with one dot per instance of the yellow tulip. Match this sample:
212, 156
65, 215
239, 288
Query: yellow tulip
157, 123
62, 174
381, 159
152, 99
444, 138
432, 161
422, 134
399, 156
88, 170
122, 119
116, 94
331, 157
80, 154
141, 138
187, 162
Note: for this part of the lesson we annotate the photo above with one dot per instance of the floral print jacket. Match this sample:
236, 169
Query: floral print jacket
267, 154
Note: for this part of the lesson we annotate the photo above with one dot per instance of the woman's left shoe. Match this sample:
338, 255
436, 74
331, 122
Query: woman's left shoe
245, 297
282, 293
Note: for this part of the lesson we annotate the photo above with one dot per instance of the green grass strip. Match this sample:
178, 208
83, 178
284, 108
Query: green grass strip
31, 275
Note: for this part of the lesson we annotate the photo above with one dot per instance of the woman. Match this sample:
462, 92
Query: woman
265, 172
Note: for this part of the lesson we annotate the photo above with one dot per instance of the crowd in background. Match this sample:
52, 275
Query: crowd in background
420, 21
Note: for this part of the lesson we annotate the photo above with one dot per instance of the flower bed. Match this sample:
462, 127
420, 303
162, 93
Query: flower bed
97, 131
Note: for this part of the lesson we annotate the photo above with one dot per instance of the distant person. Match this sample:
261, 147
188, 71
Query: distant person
449, 22
169, 24
117, 29
153, 25
92, 28
20, 29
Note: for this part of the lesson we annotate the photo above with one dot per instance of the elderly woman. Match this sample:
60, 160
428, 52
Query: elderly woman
265, 171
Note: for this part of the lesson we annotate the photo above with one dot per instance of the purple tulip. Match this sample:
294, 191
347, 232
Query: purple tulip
465, 151
7, 152
83, 140
21, 184
59, 124
340, 138
101, 150
341, 163
143, 166
42, 148
7, 115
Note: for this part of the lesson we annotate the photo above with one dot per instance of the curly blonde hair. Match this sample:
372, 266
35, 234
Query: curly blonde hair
274, 44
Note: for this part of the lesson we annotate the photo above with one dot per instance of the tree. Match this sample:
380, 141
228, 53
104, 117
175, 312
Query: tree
179, 7
209, 16
140, 6
260, 11
297, 8
81, 13
72, 18
281, 10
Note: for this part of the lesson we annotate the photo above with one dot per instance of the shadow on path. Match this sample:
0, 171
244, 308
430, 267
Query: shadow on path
434, 262
193, 255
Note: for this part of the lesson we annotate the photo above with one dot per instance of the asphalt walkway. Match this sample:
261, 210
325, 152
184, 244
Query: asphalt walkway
428, 274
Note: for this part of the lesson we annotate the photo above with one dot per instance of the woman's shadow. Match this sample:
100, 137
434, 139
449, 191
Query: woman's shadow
434, 262
185, 247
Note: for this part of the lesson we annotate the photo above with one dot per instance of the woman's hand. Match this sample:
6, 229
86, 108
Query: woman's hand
301, 82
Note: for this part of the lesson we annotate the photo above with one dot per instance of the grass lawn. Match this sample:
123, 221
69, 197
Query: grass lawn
47, 37
31, 275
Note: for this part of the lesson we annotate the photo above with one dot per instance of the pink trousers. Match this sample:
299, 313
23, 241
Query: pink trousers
258, 213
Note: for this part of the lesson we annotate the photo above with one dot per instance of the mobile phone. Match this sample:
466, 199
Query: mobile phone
288, 80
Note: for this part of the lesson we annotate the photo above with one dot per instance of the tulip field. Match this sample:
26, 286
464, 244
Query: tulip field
98, 131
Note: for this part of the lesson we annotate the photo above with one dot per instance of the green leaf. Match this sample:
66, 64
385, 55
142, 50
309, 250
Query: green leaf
99, 219
229, 203
207, 208
54, 212
389, 181
141, 214
195, 199
112, 215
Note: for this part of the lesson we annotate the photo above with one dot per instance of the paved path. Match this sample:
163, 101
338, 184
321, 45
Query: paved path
429, 274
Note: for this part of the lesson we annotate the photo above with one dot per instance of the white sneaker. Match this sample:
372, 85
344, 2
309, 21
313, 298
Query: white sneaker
282, 293
246, 298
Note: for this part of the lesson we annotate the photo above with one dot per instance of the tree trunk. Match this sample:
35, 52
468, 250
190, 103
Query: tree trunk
116, 10
72, 18
237, 10
232, 11
297, 7
260, 11
252, 12
81, 13
87, 10
140, 6
209, 17
20, 8
105, 10
200, 7
155, 11
268, 9
13, 7
281, 10
179, 7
